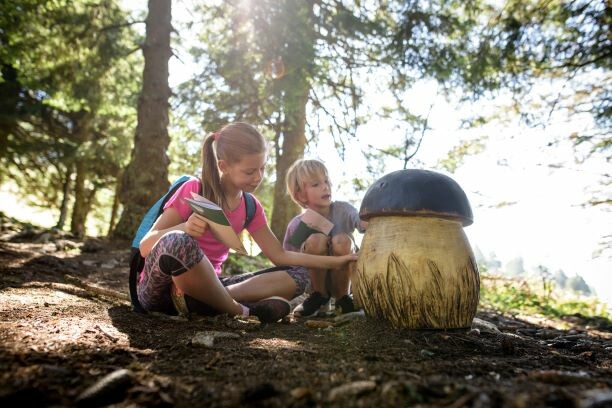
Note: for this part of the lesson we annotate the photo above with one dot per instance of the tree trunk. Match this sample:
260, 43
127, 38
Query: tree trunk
65, 198
115, 209
299, 60
146, 177
293, 145
83, 198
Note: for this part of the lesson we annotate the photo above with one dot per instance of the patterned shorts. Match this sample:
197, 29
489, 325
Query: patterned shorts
177, 252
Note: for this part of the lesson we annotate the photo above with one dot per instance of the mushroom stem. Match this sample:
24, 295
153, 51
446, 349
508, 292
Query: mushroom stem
417, 272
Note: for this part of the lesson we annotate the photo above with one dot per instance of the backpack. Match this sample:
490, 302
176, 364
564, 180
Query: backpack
137, 261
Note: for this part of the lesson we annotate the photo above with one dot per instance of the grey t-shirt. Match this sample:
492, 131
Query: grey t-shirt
342, 214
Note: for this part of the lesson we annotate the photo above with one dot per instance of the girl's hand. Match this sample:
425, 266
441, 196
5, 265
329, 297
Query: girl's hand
345, 259
196, 225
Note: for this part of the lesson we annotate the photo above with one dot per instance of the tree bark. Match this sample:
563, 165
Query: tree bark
293, 145
65, 198
146, 177
115, 209
82, 195
83, 198
298, 60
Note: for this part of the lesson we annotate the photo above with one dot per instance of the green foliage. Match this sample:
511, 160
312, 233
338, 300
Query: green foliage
520, 296
68, 86
457, 155
483, 47
237, 264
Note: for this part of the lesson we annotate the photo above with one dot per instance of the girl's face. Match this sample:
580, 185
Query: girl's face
316, 193
247, 174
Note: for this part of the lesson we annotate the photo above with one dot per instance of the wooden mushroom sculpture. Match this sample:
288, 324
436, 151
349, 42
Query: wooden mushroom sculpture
416, 268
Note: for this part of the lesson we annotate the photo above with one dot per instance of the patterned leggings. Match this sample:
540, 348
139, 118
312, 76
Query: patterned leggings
177, 252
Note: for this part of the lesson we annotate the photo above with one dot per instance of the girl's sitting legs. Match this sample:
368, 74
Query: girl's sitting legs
177, 258
264, 292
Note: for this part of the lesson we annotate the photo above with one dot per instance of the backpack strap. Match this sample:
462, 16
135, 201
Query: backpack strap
249, 202
155, 211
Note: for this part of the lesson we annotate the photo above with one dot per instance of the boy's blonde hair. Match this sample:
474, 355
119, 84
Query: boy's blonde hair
301, 171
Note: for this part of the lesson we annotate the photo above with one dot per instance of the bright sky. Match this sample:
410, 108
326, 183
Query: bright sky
545, 224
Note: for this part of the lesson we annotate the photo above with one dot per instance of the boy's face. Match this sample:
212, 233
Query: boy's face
316, 192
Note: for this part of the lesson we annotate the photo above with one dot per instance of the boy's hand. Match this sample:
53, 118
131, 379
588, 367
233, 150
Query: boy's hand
196, 225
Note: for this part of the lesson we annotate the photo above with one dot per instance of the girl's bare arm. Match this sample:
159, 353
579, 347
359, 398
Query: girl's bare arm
272, 249
170, 220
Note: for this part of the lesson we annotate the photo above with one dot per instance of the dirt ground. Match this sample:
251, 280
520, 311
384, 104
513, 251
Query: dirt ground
58, 342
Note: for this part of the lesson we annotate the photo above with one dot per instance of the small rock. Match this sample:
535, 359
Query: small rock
109, 389
595, 398
65, 244
89, 262
318, 324
352, 389
426, 353
207, 338
474, 332
110, 264
349, 317
484, 326
482, 400
300, 392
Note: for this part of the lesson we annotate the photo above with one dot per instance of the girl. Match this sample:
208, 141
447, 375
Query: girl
182, 256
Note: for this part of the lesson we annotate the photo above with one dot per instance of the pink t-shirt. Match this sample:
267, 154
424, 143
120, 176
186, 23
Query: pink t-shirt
215, 251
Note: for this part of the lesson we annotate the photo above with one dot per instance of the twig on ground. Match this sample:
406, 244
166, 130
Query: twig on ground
96, 290
107, 334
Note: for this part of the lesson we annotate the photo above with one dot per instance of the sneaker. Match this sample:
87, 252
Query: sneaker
269, 310
311, 306
345, 305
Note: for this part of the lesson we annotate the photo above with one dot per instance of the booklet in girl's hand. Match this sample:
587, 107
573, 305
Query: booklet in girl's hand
312, 222
218, 223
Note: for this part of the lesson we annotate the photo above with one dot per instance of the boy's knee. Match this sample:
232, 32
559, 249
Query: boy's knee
341, 244
316, 244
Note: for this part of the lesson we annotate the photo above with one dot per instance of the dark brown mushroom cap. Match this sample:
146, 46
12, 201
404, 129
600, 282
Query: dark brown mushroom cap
421, 193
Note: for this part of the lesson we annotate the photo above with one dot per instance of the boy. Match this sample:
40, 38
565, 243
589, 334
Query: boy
309, 186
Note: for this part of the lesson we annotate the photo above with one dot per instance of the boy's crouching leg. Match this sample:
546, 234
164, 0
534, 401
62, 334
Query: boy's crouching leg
316, 244
341, 244
340, 282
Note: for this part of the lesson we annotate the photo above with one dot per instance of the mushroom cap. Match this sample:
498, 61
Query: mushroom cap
420, 193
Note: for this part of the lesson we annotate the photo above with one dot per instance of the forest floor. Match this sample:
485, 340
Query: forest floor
62, 345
